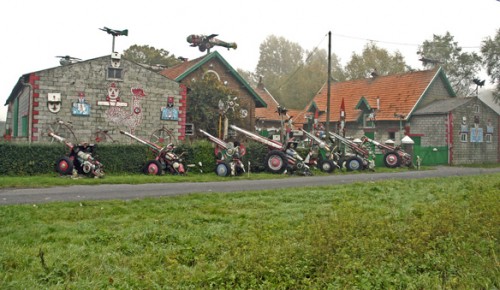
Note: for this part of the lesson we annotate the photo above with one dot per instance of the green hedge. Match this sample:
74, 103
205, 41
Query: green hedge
35, 159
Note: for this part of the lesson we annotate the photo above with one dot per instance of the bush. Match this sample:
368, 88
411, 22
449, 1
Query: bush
40, 158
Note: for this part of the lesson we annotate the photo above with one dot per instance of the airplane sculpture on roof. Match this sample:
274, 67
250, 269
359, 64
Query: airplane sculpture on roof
206, 42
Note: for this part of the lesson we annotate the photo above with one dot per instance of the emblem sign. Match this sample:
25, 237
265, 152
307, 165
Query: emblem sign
54, 102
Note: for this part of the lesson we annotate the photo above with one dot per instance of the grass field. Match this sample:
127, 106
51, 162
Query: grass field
440, 233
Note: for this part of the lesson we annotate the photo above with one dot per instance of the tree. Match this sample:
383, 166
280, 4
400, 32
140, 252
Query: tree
490, 50
203, 103
301, 87
460, 67
293, 76
251, 78
278, 59
150, 56
374, 60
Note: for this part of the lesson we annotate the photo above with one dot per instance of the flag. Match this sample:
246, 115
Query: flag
342, 116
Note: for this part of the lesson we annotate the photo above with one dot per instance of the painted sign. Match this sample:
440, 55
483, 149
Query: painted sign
81, 108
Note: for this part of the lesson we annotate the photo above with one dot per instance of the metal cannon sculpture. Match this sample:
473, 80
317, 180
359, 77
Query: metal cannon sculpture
79, 160
358, 158
326, 158
228, 155
393, 156
165, 158
281, 157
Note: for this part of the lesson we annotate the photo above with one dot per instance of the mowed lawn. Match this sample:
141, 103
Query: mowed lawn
440, 233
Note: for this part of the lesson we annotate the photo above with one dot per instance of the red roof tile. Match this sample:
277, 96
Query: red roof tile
397, 93
271, 112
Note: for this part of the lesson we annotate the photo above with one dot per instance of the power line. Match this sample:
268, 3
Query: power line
392, 42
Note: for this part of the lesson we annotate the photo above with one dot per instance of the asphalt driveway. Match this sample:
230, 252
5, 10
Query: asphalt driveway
127, 191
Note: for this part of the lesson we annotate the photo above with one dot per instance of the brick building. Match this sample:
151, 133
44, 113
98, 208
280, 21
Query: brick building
421, 105
466, 129
213, 63
102, 94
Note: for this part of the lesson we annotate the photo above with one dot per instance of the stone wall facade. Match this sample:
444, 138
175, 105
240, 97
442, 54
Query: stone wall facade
472, 123
470, 131
94, 96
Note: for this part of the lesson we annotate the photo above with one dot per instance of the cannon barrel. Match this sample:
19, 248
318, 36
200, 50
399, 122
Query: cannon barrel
57, 137
147, 143
388, 148
316, 139
351, 144
216, 140
260, 139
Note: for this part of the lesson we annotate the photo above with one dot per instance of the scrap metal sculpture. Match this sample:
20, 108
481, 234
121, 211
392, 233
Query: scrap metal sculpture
228, 156
165, 158
326, 159
281, 157
358, 158
206, 42
79, 160
393, 156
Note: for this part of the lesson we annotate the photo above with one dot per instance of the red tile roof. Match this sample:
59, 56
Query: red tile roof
398, 93
271, 112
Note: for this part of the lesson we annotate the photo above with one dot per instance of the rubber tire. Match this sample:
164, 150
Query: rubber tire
64, 165
222, 170
153, 167
276, 162
354, 163
327, 166
392, 159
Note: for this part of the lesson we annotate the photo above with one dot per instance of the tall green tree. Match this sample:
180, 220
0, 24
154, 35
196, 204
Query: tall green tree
460, 67
279, 59
374, 60
490, 50
301, 87
293, 75
150, 56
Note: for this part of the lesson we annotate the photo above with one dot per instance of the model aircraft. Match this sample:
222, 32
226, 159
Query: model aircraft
115, 32
206, 42
66, 59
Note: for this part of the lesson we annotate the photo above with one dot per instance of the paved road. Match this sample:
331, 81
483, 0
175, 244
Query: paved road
126, 191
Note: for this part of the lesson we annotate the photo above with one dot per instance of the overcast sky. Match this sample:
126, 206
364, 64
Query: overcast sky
34, 32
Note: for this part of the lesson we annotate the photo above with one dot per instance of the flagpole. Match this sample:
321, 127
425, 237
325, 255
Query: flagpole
328, 83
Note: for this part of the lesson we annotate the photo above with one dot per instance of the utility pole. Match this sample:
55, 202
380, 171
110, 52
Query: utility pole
328, 83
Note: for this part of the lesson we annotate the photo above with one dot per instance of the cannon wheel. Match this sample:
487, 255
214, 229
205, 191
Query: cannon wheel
354, 163
222, 170
153, 167
64, 165
327, 166
276, 162
392, 159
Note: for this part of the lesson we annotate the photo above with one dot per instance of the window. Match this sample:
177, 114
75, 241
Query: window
488, 138
476, 108
115, 73
189, 129
392, 135
463, 137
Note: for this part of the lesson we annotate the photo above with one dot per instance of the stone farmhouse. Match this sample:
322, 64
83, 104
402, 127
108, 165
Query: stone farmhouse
445, 128
93, 100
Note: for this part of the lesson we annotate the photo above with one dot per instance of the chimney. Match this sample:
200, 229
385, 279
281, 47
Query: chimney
260, 85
